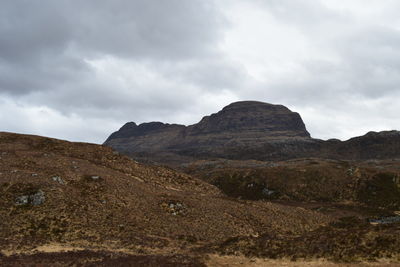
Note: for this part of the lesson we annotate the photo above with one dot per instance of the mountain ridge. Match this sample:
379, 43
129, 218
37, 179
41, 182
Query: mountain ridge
245, 130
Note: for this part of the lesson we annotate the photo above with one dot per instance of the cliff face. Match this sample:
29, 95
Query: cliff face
254, 119
245, 130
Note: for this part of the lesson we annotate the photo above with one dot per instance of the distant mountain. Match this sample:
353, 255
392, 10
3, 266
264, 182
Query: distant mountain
245, 130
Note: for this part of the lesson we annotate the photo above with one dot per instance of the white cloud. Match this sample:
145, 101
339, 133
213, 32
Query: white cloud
41, 120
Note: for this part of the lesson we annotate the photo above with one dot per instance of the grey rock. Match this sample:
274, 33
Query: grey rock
267, 192
176, 208
35, 199
38, 198
22, 200
58, 179
385, 220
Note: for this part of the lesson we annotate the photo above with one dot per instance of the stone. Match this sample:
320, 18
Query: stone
174, 207
22, 200
37, 198
267, 192
58, 179
385, 220
34, 199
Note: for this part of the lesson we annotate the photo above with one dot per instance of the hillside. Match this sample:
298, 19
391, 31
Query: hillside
55, 193
320, 183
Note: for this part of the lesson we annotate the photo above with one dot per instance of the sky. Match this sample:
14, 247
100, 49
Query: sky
79, 70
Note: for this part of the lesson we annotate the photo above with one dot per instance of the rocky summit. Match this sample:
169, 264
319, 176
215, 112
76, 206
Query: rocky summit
242, 131
252, 119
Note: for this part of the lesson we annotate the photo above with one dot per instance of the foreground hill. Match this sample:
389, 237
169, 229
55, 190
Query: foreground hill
56, 193
242, 131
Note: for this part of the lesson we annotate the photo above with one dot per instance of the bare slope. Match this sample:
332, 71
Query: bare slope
89, 195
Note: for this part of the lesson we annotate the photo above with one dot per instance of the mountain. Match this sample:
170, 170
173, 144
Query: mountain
242, 131
238, 130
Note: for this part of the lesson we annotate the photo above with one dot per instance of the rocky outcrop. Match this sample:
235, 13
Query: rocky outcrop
245, 130
34, 199
254, 119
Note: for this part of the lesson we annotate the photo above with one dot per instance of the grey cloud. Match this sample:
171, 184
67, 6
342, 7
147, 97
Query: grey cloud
106, 62
35, 36
45, 48
210, 73
166, 29
163, 29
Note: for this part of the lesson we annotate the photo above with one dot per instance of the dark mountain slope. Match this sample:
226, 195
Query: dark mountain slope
245, 130
239, 130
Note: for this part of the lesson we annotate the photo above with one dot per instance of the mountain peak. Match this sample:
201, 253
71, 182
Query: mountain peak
251, 104
261, 119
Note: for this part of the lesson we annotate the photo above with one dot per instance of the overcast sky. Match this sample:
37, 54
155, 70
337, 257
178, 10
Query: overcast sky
78, 70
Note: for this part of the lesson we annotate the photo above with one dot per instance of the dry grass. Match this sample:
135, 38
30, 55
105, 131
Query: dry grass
113, 210
236, 261
124, 204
